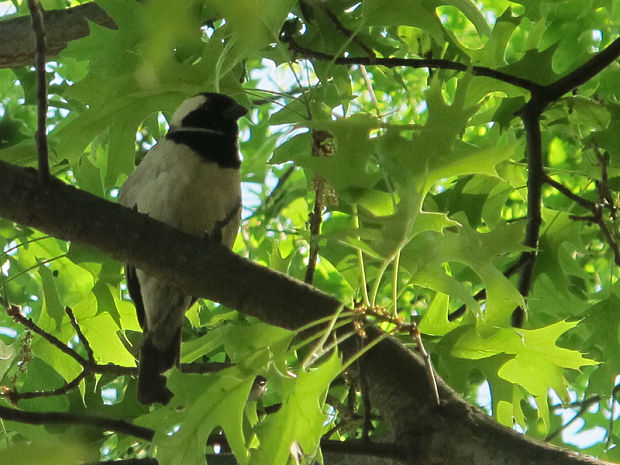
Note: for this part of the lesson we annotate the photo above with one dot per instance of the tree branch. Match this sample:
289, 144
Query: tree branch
80, 334
71, 214
436, 63
14, 312
531, 112
90, 366
59, 418
15, 397
62, 26
596, 209
568, 193
393, 451
397, 377
38, 26
584, 73
535, 178
322, 146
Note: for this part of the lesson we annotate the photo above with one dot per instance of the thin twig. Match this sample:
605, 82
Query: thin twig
412, 63
610, 429
583, 405
603, 185
38, 26
530, 114
587, 218
371, 90
14, 396
80, 334
322, 146
430, 371
345, 30
14, 312
570, 194
412, 329
89, 366
316, 218
276, 193
49, 418
360, 260
597, 212
140, 461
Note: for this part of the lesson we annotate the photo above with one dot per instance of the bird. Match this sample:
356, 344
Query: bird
189, 180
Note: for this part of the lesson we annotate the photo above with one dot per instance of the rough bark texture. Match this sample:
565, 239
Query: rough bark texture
17, 46
455, 432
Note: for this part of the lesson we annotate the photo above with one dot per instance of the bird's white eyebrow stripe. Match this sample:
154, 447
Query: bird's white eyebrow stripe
192, 129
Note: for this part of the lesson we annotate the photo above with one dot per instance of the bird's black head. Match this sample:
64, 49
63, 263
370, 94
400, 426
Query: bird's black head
209, 111
207, 124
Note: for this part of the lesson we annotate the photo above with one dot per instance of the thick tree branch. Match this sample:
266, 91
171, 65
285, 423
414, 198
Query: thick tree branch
455, 432
393, 451
17, 46
131, 237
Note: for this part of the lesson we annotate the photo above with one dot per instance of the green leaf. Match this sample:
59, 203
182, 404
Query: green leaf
435, 320
201, 403
472, 13
535, 65
52, 304
493, 53
303, 397
347, 170
406, 13
248, 33
48, 451
8, 353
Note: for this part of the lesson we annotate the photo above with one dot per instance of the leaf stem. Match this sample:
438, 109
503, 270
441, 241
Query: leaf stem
378, 278
395, 284
360, 259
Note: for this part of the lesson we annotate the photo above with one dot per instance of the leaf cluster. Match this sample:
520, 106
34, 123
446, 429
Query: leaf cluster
424, 188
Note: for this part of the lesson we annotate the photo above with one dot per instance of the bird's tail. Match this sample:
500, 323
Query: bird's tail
153, 362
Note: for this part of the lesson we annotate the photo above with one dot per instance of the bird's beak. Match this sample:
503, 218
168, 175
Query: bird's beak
234, 112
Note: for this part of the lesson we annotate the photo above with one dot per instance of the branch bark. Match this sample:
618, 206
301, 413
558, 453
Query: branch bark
453, 432
17, 44
38, 27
